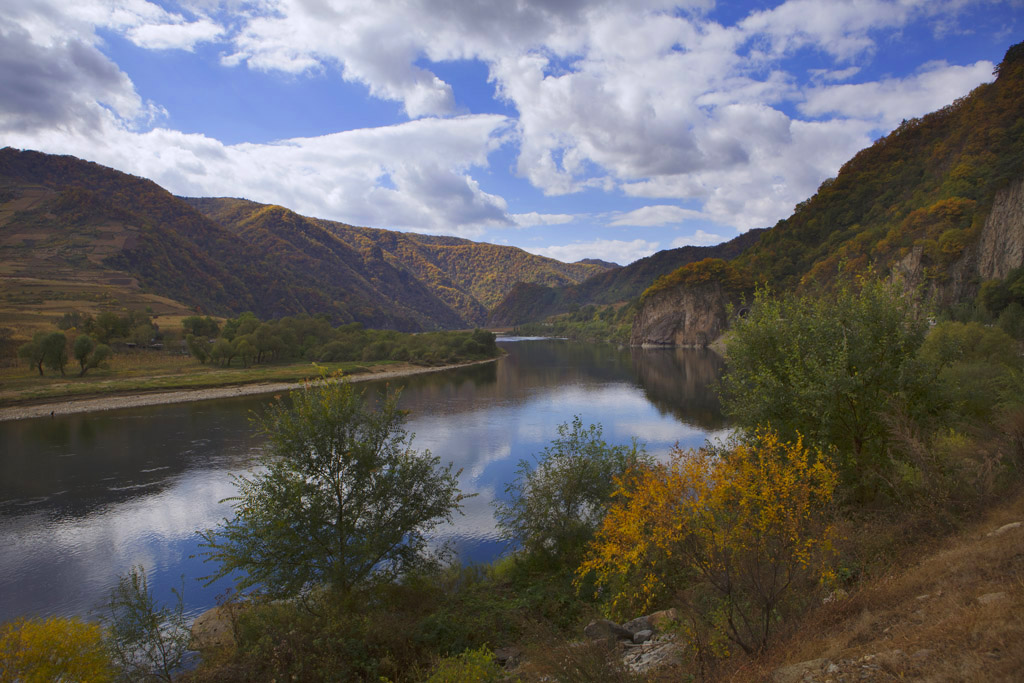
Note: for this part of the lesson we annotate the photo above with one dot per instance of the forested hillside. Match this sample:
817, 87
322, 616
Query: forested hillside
470, 277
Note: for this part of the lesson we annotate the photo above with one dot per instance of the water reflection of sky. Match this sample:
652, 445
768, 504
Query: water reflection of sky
84, 498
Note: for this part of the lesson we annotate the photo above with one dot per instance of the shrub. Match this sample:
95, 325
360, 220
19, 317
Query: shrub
744, 529
555, 502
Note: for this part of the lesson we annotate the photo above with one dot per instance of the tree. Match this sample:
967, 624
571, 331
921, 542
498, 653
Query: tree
32, 352
827, 368
55, 351
198, 347
148, 640
556, 502
344, 497
88, 354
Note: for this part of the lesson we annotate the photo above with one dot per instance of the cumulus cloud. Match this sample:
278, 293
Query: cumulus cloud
660, 214
531, 219
889, 101
616, 251
698, 239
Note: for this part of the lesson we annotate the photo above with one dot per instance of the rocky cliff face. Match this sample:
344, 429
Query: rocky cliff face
999, 249
682, 316
1001, 246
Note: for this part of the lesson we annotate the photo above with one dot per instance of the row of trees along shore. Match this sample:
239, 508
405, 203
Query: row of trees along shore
243, 341
248, 340
859, 425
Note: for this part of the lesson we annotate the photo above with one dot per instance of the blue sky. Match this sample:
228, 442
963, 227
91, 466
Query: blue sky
570, 128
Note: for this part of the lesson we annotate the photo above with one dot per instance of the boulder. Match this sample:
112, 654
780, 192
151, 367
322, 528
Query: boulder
214, 628
601, 629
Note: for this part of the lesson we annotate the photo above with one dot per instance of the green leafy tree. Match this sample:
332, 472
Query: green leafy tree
199, 347
32, 352
88, 354
828, 368
54, 350
343, 498
147, 639
556, 501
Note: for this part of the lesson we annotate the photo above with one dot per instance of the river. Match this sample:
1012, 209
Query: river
85, 497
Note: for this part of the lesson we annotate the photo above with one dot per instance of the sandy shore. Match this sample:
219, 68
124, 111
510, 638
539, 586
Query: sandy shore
89, 405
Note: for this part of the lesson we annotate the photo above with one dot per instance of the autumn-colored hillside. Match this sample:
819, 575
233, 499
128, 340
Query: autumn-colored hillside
925, 189
469, 277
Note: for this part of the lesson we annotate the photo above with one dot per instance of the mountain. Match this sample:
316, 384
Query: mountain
75, 231
469, 277
940, 201
528, 302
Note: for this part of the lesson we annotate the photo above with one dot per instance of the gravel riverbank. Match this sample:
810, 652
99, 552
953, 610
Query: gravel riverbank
114, 402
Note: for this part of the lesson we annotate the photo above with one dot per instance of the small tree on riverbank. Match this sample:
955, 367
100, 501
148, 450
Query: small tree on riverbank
344, 497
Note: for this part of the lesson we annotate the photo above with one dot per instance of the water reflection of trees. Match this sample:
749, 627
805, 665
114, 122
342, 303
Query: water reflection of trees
74, 464
680, 382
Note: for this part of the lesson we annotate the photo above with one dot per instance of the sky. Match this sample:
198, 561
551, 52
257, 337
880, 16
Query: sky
570, 128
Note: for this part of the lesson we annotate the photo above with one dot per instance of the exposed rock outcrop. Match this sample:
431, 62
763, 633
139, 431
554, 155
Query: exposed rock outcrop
682, 316
998, 250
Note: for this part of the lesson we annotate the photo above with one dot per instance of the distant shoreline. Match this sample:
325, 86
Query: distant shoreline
132, 400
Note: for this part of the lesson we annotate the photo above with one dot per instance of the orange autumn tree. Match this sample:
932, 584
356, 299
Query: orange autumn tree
737, 532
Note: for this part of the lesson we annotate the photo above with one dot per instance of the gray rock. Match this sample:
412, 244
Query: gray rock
642, 636
638, 624
654, 654
991, 597
599, 629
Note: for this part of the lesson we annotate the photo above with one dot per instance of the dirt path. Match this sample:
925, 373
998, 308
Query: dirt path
130, 400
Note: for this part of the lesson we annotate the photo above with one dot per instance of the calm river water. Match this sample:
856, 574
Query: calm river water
85, 497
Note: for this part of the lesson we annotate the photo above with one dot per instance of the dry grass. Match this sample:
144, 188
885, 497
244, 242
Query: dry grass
152, 371
924, 620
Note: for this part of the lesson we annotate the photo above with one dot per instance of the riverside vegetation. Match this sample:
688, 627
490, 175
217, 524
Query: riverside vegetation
858, 427
130, 351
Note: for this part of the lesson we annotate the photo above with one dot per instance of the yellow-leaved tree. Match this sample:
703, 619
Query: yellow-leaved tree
736, 534
53, 649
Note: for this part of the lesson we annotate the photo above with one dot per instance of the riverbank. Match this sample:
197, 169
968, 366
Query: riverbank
148, 398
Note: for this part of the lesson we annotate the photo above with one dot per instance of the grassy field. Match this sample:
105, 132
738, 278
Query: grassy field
139, 371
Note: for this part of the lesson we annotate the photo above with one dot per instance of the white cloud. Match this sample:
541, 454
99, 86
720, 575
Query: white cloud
698, 239
531, 219
659, 214
889, 101
182, 36
616, 251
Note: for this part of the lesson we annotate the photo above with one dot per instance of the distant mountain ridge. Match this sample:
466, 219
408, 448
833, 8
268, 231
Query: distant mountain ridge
529, 302
65, 219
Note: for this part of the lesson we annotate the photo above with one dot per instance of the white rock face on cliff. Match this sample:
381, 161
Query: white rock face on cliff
999, 249
682, 316
1001, 245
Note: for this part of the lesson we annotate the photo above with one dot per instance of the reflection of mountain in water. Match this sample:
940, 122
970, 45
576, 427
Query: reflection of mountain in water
680, 382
